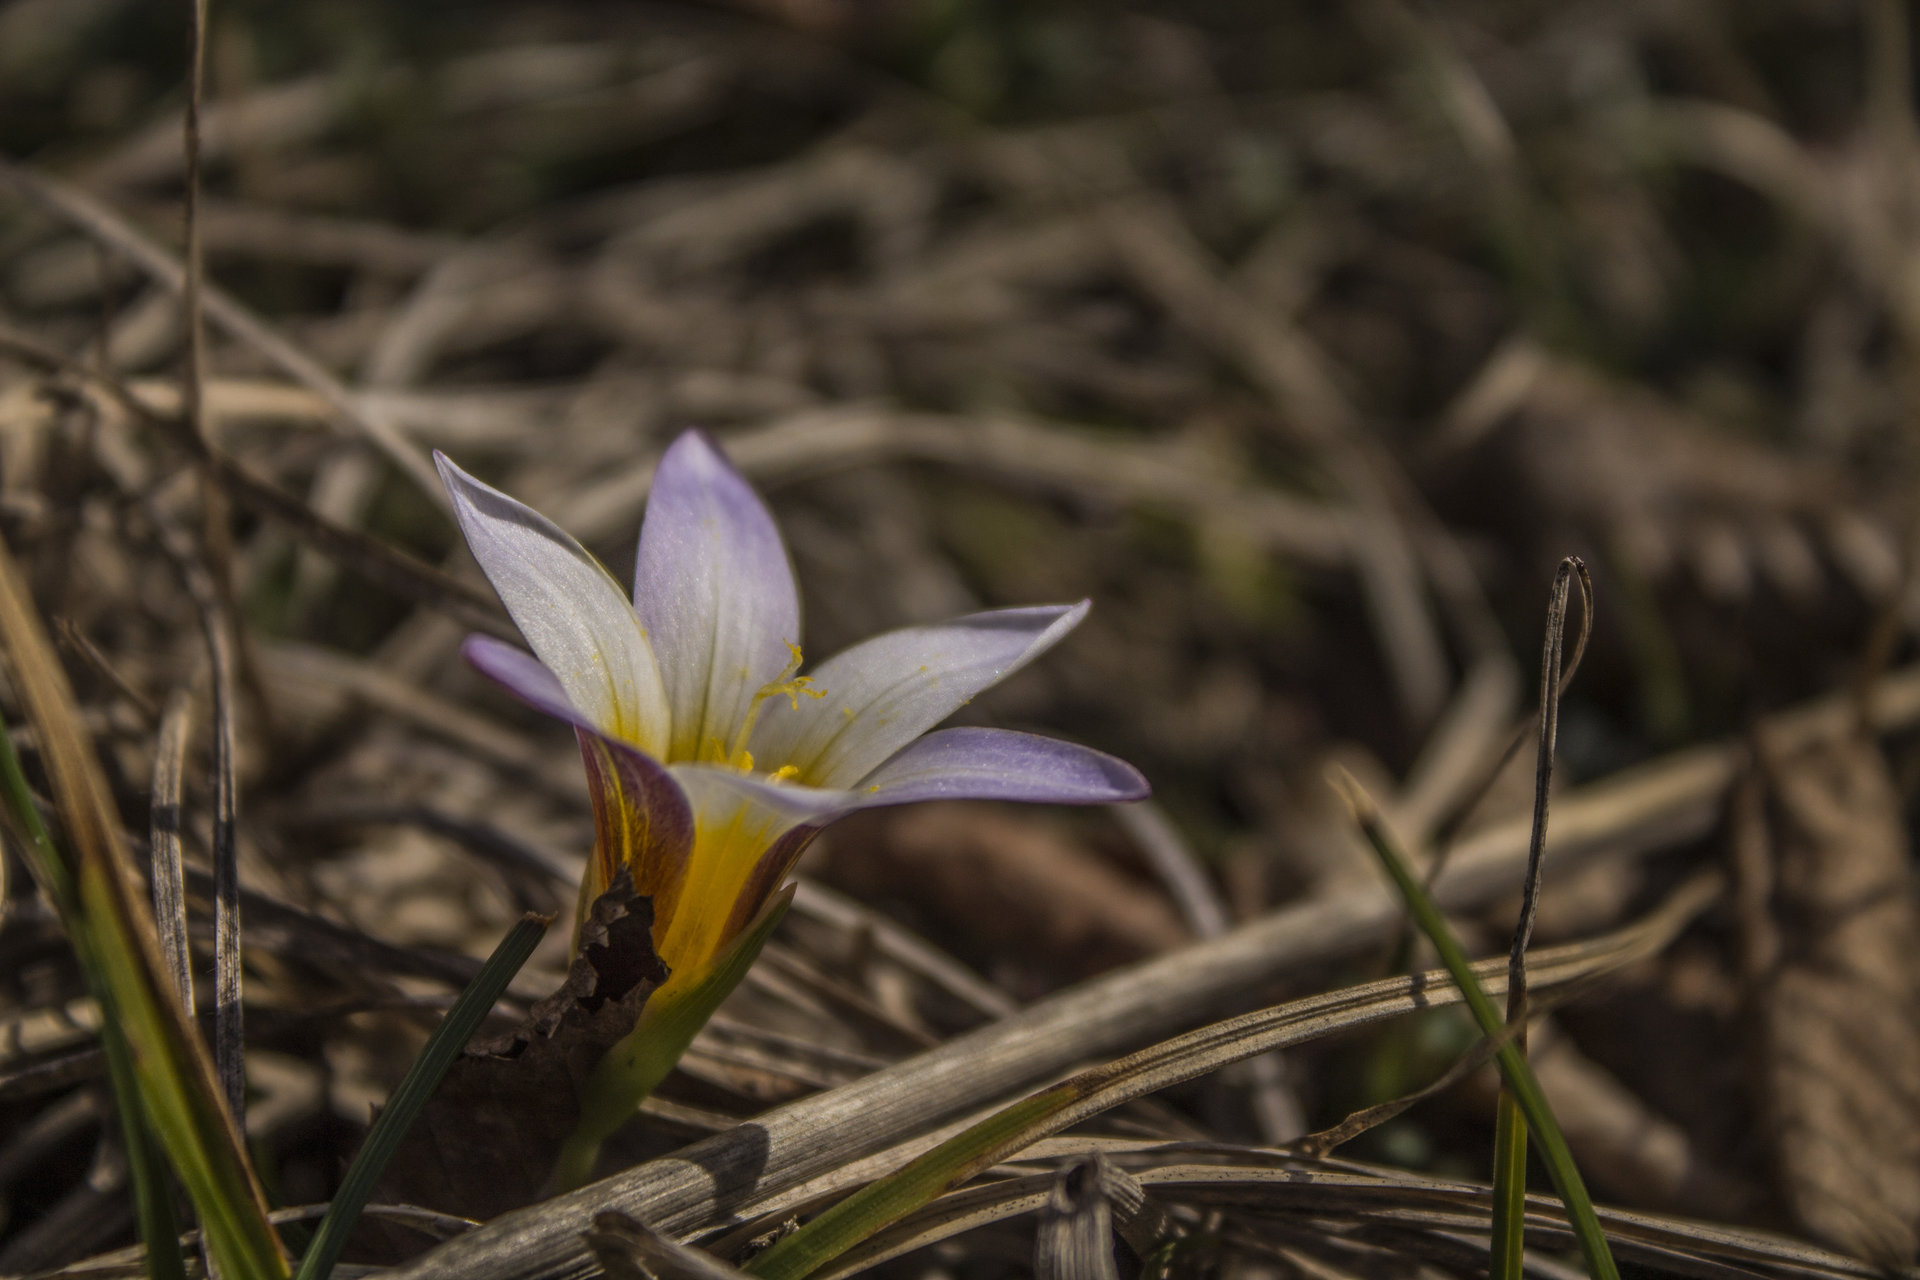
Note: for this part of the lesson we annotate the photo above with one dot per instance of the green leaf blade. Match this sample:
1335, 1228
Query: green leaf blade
1514, 1071
435, 1057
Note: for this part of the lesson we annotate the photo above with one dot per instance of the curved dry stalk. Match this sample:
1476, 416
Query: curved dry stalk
229, 1041
1510, 1128
169, 885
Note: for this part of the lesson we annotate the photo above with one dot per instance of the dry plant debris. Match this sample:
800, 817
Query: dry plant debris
476, 1148
1833, 931
1304, 341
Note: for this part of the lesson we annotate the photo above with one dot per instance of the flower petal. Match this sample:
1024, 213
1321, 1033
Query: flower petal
522, 675
883, 693
641, 817
642, 820
572, 612
748, 833
716, 592
999, 764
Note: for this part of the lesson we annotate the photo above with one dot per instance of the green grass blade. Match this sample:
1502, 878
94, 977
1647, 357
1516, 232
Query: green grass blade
187, 1115
634, 1068
152, 1199
1509, 1190
439, 1053
881, 1203
152, 1196
1518, 1076
110, 925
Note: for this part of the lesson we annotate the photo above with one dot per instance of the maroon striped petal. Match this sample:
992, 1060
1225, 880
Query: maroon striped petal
641, 820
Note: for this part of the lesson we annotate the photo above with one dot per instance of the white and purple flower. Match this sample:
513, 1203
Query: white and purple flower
712, 760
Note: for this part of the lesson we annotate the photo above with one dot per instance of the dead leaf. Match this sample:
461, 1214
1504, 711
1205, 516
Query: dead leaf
488, 1139
1832, 933
1674, 496
1014, 886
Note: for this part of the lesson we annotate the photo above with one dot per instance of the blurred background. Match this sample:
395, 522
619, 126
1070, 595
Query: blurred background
1305, 339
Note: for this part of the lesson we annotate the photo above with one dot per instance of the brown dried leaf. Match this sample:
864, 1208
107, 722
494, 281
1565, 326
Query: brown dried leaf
1019, 886
488, 1139
1674, 496
1840, 1036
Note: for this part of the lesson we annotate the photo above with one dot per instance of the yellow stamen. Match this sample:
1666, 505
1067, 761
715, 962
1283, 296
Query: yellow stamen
786, 684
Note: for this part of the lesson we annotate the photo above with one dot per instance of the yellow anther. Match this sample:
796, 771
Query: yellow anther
785, 773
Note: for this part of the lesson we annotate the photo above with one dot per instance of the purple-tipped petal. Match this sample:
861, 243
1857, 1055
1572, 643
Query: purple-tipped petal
573, 614
885, 692
716, 592
522, 675
999, 764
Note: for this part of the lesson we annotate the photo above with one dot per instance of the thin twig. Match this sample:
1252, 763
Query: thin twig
628, 1249
903, 947
87, 651
100, 222
228, 1032
210, 596
216, 531
1447, 831
1154, 834
194, 268
1524, 1106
